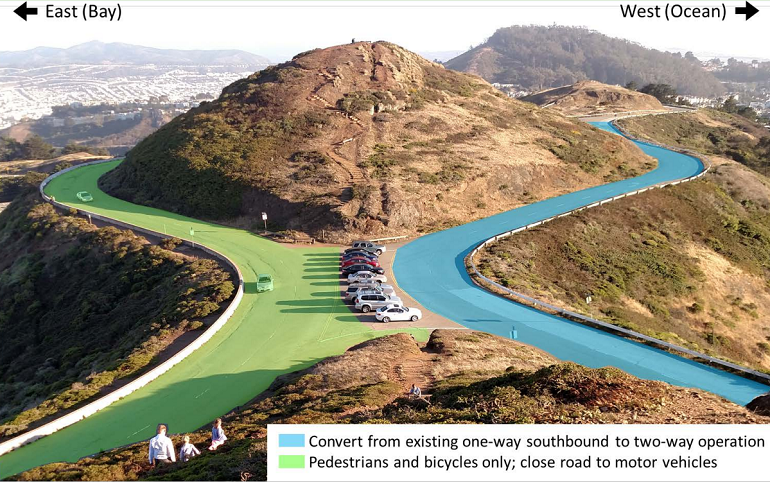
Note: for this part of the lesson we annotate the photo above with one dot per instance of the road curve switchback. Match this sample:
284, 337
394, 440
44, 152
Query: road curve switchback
301, 322
432, 270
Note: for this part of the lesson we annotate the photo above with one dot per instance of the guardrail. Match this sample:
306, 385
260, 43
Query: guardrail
112, 397
392, 238
731, 367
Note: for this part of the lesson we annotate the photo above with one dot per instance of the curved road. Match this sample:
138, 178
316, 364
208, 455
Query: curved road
432, 270
298, 324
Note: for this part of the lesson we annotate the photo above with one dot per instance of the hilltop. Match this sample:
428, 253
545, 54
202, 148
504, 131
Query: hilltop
590, 97
470, 377
365, 139
538, 58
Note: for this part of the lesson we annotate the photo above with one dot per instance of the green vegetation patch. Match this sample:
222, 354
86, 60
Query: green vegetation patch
82, 307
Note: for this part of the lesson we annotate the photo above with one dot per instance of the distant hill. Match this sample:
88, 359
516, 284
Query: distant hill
365, 139
120, 53
538, 58
591, 97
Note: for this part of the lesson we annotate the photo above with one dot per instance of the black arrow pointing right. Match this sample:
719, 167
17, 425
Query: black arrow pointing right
22, 11
749, 10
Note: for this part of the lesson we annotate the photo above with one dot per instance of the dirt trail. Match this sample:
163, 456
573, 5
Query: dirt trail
416, 369
356, 175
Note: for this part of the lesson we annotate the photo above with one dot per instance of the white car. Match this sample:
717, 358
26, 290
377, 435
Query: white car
371, 302
397, 313
364, 275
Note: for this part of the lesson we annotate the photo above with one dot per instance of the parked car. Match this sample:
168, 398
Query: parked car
370, 262
357, 289
395, 312
359, 253
85, 196
377, 249
366, 275
371, 302
264, 283
369, 290
355, 268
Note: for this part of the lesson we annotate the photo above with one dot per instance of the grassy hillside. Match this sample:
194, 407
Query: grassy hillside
470, 378
83, 307
689, 264
537, 58
591, 97
364, 139
711, 132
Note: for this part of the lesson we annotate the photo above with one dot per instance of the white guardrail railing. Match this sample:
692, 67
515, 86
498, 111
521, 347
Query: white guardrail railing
731, 367
112, 397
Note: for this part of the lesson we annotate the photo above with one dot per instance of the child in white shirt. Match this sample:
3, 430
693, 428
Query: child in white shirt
188, 450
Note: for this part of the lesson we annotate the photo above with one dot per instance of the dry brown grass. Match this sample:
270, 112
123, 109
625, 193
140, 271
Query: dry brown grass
591, 97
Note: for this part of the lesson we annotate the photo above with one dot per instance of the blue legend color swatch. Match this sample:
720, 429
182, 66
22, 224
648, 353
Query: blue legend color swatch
291, 440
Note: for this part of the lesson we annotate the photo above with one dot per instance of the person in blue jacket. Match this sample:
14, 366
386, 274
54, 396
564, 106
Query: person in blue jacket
218, 436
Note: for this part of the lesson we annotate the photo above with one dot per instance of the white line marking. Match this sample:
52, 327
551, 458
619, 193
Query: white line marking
146, 426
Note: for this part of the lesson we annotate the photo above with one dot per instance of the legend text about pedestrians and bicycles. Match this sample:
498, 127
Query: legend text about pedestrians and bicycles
517, 452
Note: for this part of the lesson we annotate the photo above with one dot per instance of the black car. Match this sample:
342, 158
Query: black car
355, 268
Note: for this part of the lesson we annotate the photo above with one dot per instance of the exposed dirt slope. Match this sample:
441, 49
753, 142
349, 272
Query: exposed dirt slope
478, 378
364, 139
591, 97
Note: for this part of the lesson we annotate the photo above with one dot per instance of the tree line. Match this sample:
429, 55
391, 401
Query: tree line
539, 57
35, 147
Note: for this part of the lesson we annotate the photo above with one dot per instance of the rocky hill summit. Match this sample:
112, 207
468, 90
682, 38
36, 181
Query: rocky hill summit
365, 139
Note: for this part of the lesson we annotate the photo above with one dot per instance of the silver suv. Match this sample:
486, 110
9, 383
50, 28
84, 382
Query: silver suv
371, 302
356, 289
377, 249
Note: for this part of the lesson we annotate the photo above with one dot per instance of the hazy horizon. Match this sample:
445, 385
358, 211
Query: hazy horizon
279, 31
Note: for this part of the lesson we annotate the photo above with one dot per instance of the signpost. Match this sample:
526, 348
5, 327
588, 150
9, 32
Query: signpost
264, 218
192, 235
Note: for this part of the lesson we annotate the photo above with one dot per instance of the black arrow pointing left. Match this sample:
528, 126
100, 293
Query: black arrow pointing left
23, 11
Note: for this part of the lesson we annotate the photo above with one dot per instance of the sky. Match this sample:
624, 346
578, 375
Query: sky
280, 29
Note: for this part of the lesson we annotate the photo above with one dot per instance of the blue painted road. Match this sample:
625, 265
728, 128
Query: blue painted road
431, 269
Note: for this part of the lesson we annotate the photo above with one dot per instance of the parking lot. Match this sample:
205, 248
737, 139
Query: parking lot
429, 319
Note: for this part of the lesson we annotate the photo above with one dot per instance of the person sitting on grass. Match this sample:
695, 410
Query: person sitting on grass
161, 447
188, 450
218, 436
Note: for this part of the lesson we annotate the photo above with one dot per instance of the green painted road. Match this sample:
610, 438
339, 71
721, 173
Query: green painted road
298, 324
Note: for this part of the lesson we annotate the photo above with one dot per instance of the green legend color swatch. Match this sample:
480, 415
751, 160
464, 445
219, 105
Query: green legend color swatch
291, 462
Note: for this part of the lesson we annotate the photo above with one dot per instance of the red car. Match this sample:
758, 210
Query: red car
370, 262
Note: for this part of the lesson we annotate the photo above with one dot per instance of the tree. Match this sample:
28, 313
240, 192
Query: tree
36, 148
72, 148
730, 105
663, 92
632, 86
10, 149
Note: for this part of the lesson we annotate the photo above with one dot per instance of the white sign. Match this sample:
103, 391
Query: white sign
264, 216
